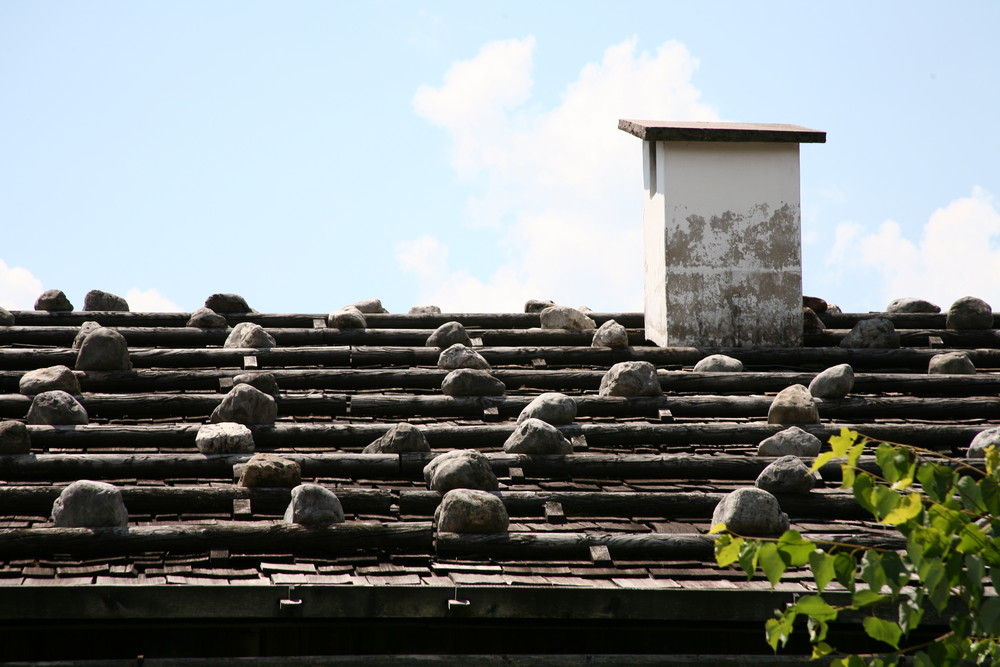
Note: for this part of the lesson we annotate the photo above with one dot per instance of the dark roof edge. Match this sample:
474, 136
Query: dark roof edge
663, 130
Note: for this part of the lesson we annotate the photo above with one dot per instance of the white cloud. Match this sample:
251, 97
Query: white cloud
957, 255
18, 287
561, 186
150, 301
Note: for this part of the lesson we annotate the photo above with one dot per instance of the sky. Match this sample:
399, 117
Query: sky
307, 155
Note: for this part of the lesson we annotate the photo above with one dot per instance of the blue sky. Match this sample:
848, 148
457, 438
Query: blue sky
311, 154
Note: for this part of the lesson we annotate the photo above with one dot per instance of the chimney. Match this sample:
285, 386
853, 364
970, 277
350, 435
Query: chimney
722, 228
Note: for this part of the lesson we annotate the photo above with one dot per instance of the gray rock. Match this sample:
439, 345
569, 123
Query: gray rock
533, 436
537, 305
912, 305
228, 303
14, 438
631, 378
983, 439
265, 382
876, 332
793, 405
815, 304
372, 306
103, 349
751, 511
970, 313
224, 438
460, 469
718, 363
85, 330
206, 318
346, 318
56, 408
786, 475
53, 378
270, 470
400, 438
811, 323
460, 356
951, 363
564, 317
6, 317
425, 310
472, 382
610, 334
835, 382
246, 405
87, 504
449, 334
551, 407
792, 441
834, 309
314, 505
95, 299
249, 334
471, 511
53, 300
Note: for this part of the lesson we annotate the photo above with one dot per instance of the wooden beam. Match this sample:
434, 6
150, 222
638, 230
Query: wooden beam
334, 539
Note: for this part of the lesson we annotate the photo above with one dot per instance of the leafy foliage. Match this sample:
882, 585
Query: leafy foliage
947, 513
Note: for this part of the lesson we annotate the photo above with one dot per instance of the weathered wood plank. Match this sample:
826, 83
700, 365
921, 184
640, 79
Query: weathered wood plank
334, 539
446, 436
398, 405
193, 499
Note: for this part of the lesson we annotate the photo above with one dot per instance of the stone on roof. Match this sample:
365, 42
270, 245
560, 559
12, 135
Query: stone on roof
346, 318
564, 317
6, 318
551, 407
610, 334
834, 382
533, 436
314, 505
631, 378
249, 334
265, 382
89, 504
787, 474
792, 441
984, 439
87, 328
875, 332
471, 511
402, 437
462, 356
970, 312
471, 382
537, 305
951, 363
95, 299
56, 408
425, 310
460, 469
224, 438
448, 334
14, 438
719, 363
53, 300
228, 303
793, 405
910, 304
270, 470
815, 304
206, 318
49, 379
751, 511
247, 405
103, 349
372, 306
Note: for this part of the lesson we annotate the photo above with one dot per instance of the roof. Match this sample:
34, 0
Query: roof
605, 544
658, 130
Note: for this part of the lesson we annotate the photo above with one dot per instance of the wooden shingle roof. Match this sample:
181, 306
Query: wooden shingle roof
607, 538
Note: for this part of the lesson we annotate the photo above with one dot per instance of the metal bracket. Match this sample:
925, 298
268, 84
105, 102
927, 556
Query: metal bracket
455, 604
292, 604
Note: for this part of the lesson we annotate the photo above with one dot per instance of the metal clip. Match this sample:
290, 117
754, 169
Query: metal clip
455, 604
292, 602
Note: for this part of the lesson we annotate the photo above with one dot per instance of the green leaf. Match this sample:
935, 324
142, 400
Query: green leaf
820, 461
717, 528
866, 598
989, 616
921, 659
844, 568
884, 500
908, 508
970, 494
749, 553
911, 612
847, 475
839, 444
855, 453
992, 460
821, 565
778, 630
990, 490
815, 607
936, 481
933, 573
727, 550
794, 548
971, 539
973, 575
883, 631
820, 649
771, 563
848, 661
871, 570
818, 629
862, 489
897, 574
